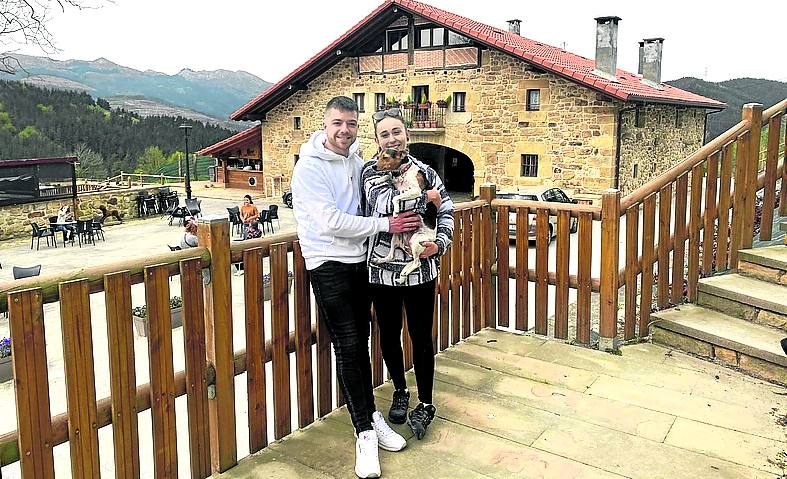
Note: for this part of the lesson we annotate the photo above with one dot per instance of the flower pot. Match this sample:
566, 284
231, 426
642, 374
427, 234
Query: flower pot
141, 324
433, 124
266, 290
6, 369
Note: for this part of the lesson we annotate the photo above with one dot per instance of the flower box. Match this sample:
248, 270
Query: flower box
6, 369
266, 289
141, 322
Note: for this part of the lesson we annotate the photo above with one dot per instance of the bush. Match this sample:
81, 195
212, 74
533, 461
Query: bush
142, 311
5, 347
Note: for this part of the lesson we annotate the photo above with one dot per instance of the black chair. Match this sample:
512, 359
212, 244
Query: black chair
97, 226
84, 232
179, 212
174, 247
151, 205
235, 220
265, 218
20, 272
161, 198
140, 200
39, 232
193, 206
274, 209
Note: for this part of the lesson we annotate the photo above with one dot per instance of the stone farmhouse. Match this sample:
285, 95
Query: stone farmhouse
483, 105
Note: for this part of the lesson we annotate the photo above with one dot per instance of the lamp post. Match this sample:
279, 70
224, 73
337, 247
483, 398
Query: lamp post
186, 129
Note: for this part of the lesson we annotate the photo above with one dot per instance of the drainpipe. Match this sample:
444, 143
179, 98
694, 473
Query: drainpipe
617, 143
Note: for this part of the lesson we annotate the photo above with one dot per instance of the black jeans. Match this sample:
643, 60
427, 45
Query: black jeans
342, 295
418, 301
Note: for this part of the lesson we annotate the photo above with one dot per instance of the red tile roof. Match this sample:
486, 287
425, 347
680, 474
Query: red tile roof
629, 86
236, 141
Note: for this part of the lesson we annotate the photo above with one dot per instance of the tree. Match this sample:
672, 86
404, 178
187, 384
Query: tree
24, 22
91, 164
151, 160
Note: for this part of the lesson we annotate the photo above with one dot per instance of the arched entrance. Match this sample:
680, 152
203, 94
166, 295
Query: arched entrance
454, 167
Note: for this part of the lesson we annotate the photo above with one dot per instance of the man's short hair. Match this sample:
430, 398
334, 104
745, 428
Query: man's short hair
342, 103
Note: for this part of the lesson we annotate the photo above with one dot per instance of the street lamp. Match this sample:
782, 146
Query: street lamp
186, 129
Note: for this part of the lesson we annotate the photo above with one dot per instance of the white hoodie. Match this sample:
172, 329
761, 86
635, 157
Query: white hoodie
325, 199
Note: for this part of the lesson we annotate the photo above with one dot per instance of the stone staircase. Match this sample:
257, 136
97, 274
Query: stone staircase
739, 318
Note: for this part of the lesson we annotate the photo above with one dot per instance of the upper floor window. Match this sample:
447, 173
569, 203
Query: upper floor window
359, 99
529, 166
430, 37
457, 38
533, 100
296, 123
396, 40
379, 101
639, 118
680, 116
459, 101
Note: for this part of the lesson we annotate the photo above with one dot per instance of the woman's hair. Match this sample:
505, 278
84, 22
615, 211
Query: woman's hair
191, 227
386, 114
249, 198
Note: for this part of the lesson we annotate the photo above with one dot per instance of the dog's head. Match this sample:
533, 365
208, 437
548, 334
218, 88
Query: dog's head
390, 159
102, 208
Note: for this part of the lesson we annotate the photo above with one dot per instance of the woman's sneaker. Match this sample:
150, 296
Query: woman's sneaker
420, 417
367, 462
399, 404
387, 438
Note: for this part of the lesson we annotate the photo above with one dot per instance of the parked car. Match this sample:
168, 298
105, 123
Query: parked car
286, 197
545, 194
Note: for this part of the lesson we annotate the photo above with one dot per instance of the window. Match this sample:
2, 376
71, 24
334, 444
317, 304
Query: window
421, 93
396, 40
296, 123
639, 118
680, 115
457, 39
379, 101
636, 167
533, 100
430, 37
359, 100
459, 101
529, 166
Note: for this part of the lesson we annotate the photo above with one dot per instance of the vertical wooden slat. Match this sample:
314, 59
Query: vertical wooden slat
783, 189
162, 372
646, 284
456, 281
542, 264
467, 265
665, 217
280, 335
722, 239
709, 216
632, 256
771, 163
122, 375
435, 318
376, 353
407, 345
444, 286
196, 370
610, 248
254, 306
476, 226
488, 317
522, 271
679, 244
31, 384
738, 200
561, 278
695, 222
753, 113
80, 378
585, 252
502, 266
214, 234
303, 339
324, 400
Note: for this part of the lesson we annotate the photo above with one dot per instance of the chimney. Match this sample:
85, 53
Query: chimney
513, 25
641, 57
607, 47
650, 60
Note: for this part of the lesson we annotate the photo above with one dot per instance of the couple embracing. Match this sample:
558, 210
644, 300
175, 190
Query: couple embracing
342, 205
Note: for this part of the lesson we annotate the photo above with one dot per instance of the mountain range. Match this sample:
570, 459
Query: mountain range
200, 95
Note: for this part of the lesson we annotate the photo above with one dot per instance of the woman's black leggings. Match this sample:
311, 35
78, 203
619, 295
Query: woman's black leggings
418, 302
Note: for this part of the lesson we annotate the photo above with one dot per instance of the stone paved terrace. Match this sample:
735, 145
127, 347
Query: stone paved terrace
520, 406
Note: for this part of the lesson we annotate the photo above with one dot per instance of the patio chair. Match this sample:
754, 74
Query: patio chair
193, 205
39, 232
140, 200
235, 220
265, 218
274, 209
174, 247
85, 232
20, 272
97, 226
151, 205
179, 212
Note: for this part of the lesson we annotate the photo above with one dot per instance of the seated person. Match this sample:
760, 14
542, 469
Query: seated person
65, 215
252, 231
189, 239
248, 213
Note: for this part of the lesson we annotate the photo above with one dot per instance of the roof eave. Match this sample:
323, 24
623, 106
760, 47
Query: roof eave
669, 101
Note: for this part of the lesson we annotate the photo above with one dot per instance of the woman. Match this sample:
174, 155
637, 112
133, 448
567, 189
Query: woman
64, 216
189, 239
249, 214
417, 291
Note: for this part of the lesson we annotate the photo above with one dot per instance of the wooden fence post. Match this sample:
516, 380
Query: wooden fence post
745, 181
610, 245
488, 298
214, 234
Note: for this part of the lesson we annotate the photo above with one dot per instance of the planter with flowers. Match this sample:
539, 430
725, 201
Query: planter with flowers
6, 365
266, 285
141, 318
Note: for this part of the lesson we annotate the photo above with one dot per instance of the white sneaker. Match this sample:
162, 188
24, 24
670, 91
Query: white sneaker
367, 463
387, 438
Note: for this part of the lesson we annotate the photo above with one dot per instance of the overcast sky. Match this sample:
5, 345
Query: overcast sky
271, 38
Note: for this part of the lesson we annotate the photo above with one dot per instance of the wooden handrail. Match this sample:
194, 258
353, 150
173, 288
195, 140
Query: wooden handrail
779, 107
553, 207
669, 176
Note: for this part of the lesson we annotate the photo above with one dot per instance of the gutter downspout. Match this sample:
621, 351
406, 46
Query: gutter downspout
617, 143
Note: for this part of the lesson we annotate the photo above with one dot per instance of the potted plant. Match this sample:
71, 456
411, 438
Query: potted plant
409, 104
266, 285
392, 102
444, 103
140, 314
6, 366
424, 104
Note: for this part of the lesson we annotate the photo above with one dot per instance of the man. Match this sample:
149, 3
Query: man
332, 235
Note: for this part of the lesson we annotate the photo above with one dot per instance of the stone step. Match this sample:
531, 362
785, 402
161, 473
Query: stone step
732, 341
746, 298
767, 264
783, 225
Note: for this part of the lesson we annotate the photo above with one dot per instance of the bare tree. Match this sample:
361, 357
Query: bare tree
24, 22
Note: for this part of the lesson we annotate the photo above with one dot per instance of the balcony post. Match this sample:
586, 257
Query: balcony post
488, 255
610, 246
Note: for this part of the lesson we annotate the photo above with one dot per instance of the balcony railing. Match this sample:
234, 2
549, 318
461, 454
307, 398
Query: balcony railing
426, 116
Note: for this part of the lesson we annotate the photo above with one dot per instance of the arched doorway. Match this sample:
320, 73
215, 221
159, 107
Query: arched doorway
454, 167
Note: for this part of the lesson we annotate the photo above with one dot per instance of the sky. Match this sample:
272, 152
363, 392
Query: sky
272, 38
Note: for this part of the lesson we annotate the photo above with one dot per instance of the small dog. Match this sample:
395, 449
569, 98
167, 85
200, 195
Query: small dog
410, 182
109, 214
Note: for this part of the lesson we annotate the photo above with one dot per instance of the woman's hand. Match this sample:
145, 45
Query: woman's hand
430, 249
433, 196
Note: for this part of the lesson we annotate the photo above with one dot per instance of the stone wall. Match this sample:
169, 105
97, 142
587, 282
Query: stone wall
15, 220
668, 135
